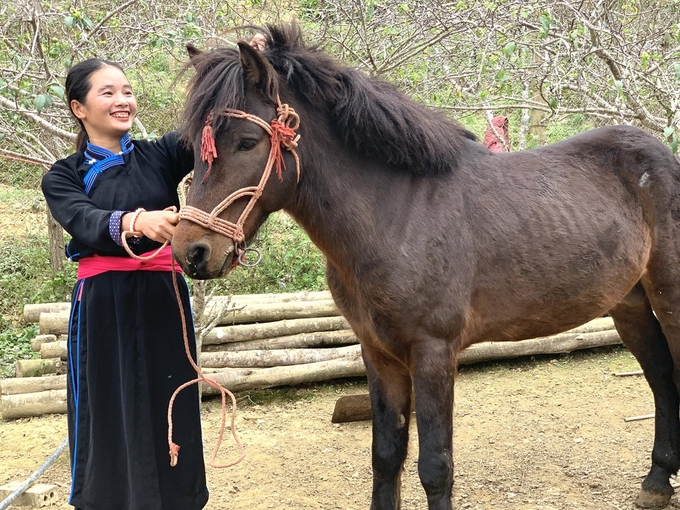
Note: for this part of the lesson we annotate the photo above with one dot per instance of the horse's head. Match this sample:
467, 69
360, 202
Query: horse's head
245, 162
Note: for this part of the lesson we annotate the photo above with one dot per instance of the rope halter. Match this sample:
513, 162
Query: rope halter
282, 133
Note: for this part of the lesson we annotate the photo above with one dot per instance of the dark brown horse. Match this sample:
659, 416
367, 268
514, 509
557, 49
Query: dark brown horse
433, 242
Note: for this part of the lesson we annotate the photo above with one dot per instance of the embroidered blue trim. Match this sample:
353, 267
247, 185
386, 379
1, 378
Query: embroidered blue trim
74, 377
115, 227
73, 257
102, 159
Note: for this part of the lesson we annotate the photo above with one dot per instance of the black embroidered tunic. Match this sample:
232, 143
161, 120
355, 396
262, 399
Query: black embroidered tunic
126, 354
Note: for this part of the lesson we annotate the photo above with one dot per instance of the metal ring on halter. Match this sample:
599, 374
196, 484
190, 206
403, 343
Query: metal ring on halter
244, 252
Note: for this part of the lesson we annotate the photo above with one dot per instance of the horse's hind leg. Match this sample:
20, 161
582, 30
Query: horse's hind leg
389, 385
642, 335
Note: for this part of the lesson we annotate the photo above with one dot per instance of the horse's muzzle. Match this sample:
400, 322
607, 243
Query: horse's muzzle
198, 261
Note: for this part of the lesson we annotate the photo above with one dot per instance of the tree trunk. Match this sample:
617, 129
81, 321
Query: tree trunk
592, 334
319, 339
56, 236
41, 339
524, 119
240, 379
273, 311
32, 311
55, 349
32, 384
556, 344
352, 408
536, 126
276, 357
283, 297
249, 355
56, 323
38, 367
247, 332
33, 404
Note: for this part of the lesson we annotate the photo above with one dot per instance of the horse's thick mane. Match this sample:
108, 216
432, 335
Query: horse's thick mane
371, 115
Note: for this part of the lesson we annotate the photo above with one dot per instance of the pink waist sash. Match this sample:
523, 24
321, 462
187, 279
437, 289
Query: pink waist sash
98, 264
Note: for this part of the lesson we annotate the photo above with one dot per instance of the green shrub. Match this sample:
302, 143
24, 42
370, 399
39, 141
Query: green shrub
26, 277
15, 344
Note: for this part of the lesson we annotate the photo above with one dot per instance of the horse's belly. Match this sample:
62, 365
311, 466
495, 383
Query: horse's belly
560, 269
555, 301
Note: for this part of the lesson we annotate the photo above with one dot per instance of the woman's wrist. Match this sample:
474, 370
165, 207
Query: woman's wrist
134, 218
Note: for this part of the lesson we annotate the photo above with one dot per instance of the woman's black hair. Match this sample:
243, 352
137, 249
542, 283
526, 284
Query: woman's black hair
78, 85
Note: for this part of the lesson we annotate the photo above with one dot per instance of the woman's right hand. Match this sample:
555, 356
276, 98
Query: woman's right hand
156, 225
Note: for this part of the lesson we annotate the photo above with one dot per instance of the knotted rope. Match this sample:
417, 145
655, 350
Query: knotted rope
282, 133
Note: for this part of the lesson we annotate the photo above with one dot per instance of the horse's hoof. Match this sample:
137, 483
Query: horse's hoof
654, 499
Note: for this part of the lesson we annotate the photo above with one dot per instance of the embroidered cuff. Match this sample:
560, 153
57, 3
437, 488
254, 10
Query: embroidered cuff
115, 228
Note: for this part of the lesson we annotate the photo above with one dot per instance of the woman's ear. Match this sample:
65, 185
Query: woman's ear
78, 109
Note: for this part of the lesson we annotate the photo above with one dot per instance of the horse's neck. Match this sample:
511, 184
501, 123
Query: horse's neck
336, 205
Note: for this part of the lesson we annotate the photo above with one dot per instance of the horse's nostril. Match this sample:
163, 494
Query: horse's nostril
197, 257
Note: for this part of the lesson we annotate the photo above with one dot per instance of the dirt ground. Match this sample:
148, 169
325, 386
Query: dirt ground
532, 434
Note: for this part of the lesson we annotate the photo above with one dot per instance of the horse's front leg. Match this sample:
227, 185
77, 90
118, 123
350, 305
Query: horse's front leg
389, 385
432, 368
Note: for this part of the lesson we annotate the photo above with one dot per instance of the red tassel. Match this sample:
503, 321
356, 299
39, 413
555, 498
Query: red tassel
208, 149
281, 135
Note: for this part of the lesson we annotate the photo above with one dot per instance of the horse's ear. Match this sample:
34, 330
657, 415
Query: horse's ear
258, 70
193, 51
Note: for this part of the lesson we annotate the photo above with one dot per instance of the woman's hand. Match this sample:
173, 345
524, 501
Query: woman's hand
156, 225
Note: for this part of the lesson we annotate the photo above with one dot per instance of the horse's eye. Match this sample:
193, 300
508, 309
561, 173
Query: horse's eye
247, 144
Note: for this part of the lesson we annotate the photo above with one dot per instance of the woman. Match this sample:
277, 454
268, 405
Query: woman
126, 353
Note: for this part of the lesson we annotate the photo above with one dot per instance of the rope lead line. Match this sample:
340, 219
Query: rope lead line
174, 447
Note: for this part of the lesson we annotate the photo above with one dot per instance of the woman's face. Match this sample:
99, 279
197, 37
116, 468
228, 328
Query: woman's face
109, 108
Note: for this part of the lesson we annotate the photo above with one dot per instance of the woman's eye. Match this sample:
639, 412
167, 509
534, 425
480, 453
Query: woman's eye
246, 144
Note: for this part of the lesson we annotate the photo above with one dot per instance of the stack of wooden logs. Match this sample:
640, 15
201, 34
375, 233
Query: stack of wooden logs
260, 341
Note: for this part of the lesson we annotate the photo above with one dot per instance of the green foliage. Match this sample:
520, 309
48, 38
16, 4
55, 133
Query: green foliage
545, 24
573, 125
509, 49
42, 101
26, 277
15, 344
20, 175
